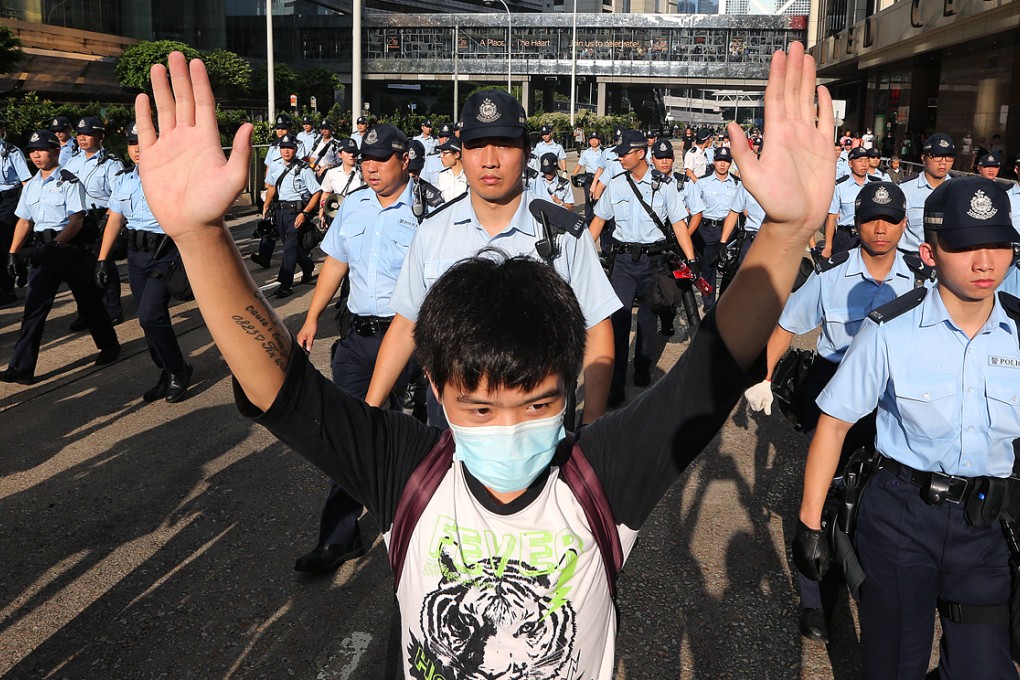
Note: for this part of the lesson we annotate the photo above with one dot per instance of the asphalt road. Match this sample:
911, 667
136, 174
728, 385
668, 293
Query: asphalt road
156, 540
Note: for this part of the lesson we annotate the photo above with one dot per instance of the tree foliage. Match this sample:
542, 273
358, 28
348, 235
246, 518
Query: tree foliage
134, 65
10, 50
229, 74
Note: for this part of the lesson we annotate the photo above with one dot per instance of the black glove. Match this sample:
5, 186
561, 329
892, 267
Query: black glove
695, 265
102, 275
12, 265
811, 553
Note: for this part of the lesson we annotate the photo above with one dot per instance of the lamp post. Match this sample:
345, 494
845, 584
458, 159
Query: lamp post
509, 28
573, 69
356, 65
270, 75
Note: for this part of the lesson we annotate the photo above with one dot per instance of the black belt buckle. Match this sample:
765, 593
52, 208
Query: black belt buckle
365, 327
939, 487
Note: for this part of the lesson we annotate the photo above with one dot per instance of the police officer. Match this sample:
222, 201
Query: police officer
97, 170
451, 180
988, 166
308, 137
843, 159
61, 127
588, 163
359, 133
367, 245
644, 207
495, 150
747, 207
696, 160
426, 197
426, 138
341, 180
716, 193
281, 128
547, 145
550, 185
267, 240
1014, 198
938, 156
840, 234
940, 366
325, 153
433, 160
292, 183
610, 167
874, 160
150, 252
838, 296
13, 175
52, 209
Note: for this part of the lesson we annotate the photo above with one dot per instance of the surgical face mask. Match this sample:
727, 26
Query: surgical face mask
508, 458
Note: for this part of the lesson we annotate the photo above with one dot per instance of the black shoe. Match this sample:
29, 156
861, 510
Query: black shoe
179, 383
282, 292
812, 625
259, 261
666, 327
17, 375
117, 320
328, 558
158, 391
7, 297
78, 325
615, 398
308, 277
108, 356
642, 378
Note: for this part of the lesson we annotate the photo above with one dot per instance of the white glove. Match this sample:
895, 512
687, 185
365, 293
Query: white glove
759, 397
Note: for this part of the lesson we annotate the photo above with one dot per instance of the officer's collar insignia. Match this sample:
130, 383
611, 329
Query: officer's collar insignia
981, 207
488, 112
944, 143
882, 196
35, 137
372, 137
412, 154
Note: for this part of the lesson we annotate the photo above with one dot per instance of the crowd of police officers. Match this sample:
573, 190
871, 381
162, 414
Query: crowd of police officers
934, 431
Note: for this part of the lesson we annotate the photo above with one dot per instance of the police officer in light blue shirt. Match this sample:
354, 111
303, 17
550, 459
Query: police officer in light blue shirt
150, 253
359, 132
716, 193
281, 128
940, 364
366, 244
874, 160
938, 156
637, 246
308, 137
547, 145
295, 188
13, 174
588, 163
426, 138
52, 208
61, 127
433, 159
97, 170
840, 234
550, 185
1014, 198
325, 153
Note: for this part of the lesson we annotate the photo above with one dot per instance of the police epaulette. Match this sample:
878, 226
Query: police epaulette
354, 191
68, 176
124, 171
842, 179
918, 267
561, 182
832, 262
620, 174
874, 178
446, 205
903, 303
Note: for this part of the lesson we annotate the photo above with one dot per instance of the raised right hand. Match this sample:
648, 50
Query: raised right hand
190, 185
759, 397
306, 336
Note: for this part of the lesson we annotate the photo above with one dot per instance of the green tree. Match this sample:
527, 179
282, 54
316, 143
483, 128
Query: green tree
134, 65
10, 50
229, 74
320, 83
285, 80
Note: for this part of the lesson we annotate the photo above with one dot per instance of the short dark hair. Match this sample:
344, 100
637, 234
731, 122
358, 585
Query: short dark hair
510, 320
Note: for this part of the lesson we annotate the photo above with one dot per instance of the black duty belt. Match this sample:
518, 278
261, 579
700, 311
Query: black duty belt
712, 223
847, 227
297, 206
937, 486
144, 241
370, 325
46, 236
639, 248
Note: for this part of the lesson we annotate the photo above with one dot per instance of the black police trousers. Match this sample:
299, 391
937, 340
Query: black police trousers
53, 265
912, 554
148, 286
630, 281
8, 221
706, 243
293, 253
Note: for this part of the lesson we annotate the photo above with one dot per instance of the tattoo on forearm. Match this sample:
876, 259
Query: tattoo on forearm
259, 325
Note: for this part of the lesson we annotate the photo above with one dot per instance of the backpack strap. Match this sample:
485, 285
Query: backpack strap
417, 493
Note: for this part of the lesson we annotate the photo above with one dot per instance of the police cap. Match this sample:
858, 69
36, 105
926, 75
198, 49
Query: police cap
663, 149
43, 139
282, 122
594, 135
548, 163
307, 120
857, 152
630, 140
546, 130
880, 199
59, 123
382, 141
652, 134
723, 154
90, 125
132, 134
492, 113
451, 144
415, 156
939, 144
703, 135
288, 141
874, 153
362, 120
989, 161
325, 124
445, 130
426, 123
350, 145
969, 211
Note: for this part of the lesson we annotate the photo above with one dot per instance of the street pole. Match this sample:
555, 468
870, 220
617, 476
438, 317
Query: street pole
356, 66
573, 70
509, 31
270, 74
456, 71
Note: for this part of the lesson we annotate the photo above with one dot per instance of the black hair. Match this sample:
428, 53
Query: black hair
510, 320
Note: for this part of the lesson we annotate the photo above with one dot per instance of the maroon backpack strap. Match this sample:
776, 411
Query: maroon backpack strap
587, 488
417, 493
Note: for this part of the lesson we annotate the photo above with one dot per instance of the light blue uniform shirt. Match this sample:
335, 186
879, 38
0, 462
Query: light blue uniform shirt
844, 199
13, 168
50, 202
591, 159
433, 166
308, 140
129, 200
374, 241
840, 299
917, 191
716, 195
743, 200
1014, 205
611, 167
67, 151
842, 166
543, 188
1011, 284
633, 225
878, 175
97, 174
541, 149
356, 136
455, 234
298, 185
692, 197
429, 143
946, 403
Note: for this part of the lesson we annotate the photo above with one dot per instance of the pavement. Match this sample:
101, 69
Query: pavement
157, 540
